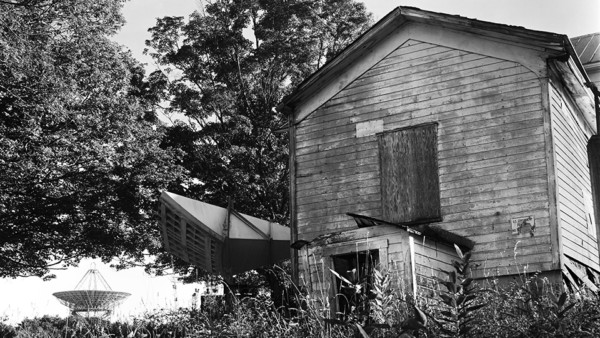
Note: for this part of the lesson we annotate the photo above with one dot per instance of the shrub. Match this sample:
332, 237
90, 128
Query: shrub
531, 308
461, 300
7, 330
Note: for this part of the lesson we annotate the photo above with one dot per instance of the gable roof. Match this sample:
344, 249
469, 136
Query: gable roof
552, 44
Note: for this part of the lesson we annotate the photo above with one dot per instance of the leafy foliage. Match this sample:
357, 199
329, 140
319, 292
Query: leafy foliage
383, 306
534, 307
524, 309
224, 71
81, 162
460, 299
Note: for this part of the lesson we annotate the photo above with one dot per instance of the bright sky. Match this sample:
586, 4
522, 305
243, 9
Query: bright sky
30, 297
572, 17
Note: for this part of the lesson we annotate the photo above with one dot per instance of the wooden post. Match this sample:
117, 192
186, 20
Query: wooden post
292, 173
226, 257
593, 149
413, 267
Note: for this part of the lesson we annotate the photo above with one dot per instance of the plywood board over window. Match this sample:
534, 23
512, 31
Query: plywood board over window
410, 189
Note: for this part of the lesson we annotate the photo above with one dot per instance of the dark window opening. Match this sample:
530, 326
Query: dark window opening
357, 268
591, 276
410, 191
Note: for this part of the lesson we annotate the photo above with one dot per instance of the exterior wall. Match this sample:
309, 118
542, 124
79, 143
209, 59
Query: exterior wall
570, 136
391, 243
412, 260
491, 150
431, 260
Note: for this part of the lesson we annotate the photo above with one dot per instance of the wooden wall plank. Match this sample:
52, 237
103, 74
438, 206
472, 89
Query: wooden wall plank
479, 89
418, 78
572, 179
452, 114
491, 151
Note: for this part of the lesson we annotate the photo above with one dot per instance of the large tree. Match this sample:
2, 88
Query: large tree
224, 71
81, 164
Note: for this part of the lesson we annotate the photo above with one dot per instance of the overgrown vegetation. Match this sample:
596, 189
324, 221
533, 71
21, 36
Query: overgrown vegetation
84, 154
528, 307
82, 161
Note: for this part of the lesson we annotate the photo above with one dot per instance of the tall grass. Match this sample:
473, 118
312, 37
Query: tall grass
531, 307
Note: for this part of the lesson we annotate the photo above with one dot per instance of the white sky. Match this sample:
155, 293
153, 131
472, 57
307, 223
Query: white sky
570, 17
30, 297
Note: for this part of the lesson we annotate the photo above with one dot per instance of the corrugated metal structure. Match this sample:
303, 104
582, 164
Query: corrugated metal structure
588, 48
476, 128
220, 240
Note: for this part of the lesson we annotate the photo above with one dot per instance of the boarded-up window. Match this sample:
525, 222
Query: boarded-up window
410, 189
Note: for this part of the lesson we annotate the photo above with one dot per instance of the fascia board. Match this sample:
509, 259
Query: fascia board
530, 57
581, 94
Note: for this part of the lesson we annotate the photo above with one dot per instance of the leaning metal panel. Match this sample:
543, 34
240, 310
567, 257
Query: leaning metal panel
191, 242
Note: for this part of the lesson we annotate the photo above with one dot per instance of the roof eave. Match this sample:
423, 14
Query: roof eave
578, 85
554, 44
311, 84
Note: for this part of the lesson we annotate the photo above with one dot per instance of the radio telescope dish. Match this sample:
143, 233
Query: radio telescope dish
92, 296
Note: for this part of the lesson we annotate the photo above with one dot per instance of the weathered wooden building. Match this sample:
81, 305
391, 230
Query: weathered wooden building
434, 130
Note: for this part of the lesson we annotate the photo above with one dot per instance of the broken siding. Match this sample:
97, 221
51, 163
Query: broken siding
570, 136
390, 242
490, 146
432, 260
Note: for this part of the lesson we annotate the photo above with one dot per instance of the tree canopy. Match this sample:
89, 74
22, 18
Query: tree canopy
81, 165
84, 156
225, 70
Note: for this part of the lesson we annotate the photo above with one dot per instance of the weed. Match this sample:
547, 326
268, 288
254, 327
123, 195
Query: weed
461, 302
528, 308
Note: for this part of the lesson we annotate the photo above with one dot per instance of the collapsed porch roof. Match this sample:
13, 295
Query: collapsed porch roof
420, 229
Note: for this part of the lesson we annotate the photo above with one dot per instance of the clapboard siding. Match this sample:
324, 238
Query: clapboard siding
491, 150
572, 179
456, 114
432, 259
423, 102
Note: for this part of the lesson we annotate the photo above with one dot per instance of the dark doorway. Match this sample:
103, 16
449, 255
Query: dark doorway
357, 268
